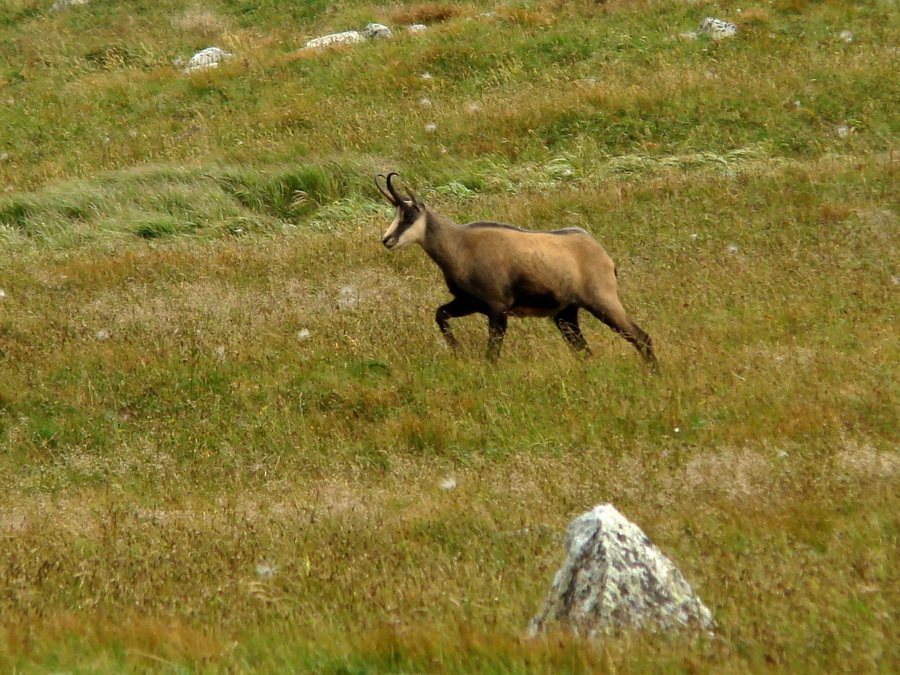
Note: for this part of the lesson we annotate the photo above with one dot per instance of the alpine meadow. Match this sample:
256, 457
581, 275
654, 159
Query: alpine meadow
232, 437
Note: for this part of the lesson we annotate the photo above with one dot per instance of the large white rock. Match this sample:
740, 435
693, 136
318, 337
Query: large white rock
348, 37
615, 579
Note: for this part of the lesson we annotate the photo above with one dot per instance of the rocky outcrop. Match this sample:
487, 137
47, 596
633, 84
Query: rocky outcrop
615, 579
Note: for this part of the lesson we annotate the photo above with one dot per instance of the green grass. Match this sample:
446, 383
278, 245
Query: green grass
226, 412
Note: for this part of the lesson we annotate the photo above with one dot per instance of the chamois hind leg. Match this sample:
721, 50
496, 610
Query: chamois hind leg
455, 308
567, 322
613, 315
496, 331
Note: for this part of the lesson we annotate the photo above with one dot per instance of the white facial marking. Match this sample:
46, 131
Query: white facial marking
392, 228
414, 234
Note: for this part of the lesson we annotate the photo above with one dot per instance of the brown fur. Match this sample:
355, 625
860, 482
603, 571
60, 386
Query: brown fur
499, 270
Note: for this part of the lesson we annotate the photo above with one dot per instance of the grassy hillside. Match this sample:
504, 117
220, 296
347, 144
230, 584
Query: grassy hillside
228, 424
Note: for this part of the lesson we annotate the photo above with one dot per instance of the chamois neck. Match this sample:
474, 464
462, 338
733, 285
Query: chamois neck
440, 235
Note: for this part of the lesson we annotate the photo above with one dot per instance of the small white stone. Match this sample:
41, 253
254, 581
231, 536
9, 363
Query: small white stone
425, 102
377, 31
417, 28
303, 334
210, 57
846, 36
2, 293
716, 28
694, 236
431, 127
731, 248
473, 107
103, 334
266, 571
427, 76
448, 483
843, 131
60, 5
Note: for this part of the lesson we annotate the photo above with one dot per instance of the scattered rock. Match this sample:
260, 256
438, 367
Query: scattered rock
60, 5
448, 483
417, 28
844, 131
210, 57
846, 36
615, 579
716, 28
377, 31
348, 37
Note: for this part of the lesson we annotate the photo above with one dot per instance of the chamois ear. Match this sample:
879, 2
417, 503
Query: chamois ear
382, 190
415, 200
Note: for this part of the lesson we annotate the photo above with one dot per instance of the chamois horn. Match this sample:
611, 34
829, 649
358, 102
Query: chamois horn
382, 190
398, 199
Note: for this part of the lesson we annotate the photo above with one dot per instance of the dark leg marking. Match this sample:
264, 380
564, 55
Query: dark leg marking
614, 316
455, 308
567, 322
496, 330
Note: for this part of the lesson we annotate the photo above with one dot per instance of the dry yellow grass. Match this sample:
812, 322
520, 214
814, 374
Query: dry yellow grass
231, 438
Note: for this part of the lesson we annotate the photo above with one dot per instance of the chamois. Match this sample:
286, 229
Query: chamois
500, 270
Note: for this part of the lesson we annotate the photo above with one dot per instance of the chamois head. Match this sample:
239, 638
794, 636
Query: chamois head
409, 223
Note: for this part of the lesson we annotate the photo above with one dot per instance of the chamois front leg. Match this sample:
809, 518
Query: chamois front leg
496, 331
455, 308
